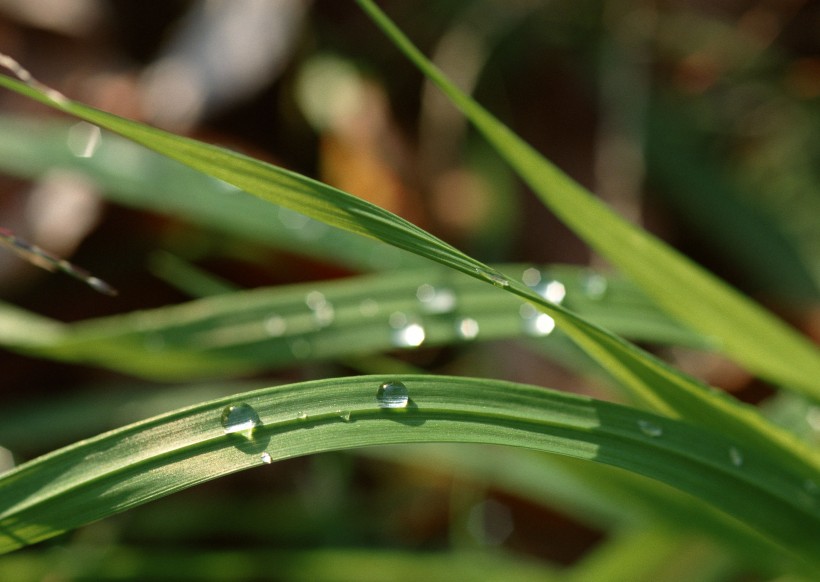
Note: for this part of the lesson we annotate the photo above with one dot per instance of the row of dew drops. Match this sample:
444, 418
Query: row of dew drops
408, 330
242, 419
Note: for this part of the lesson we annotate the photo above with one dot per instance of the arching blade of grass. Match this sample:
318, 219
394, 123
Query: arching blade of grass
126, 467
748, 334
133, 176
649, 381
266, 328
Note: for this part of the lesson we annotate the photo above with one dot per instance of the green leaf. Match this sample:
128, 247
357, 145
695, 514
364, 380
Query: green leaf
135, 464
262, 329
746, 332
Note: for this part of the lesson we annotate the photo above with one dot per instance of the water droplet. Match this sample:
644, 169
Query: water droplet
369, 308
493, 277
436, 300
467, 328
650, 429
531, 277
536, 323
84, 139
735, 456
323, 312
344, 415
266, 458
300, 348
594, 286
275, 325
407, 333
301, 415
241, 419
392, 395
552, 291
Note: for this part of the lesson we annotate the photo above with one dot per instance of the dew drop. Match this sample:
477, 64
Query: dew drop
392, 395
84, 139
552, 291
344, 415
266, 458
493, 277
594, 286
531, 277
467, 328
275, 325
650, 429
536, 323
301, 415
735, 456
323, 312
436, 300
240, 418
407, 333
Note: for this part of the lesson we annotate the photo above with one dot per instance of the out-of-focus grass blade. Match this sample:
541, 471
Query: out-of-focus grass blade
317, 565
267, 328
120, 469
747, 333
648, 380
134, 176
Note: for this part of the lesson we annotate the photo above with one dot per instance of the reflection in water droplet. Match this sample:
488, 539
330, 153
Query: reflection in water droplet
467, 328
266, 458
493, 277
649, 428
436, 300
406, 334
392, 395
84, 139
275, 325
735, 456
594, 286
240, 419
536, 323
554, 291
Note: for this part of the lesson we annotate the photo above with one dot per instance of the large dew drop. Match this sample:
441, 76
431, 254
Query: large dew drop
241, 419
392, 395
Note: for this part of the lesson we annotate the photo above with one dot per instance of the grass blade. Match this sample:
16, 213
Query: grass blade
746, 332
135, 464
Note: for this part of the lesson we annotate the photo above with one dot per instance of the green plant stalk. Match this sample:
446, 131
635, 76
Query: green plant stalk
747, 333
135, 464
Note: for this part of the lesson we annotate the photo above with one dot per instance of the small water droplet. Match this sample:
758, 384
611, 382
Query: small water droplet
735, 456
275, 325
650, 429
552, 291
493, 277
300, 348
84, 139
369, 308
266, 458
531, 277
392, 395
323, 312
436, 300
467, 328
536, 323
594, 286
407, 333
241, 419
344, 415
301, 415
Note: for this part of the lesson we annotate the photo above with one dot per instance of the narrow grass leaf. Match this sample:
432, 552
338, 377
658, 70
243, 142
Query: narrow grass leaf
124, 468
747, 333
